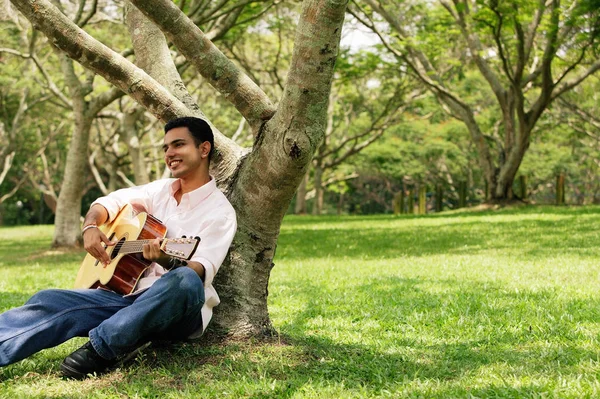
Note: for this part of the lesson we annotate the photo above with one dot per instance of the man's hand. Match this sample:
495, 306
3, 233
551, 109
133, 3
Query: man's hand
92, 242
151, 251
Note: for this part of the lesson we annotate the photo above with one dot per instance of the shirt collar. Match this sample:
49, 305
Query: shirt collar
196, 196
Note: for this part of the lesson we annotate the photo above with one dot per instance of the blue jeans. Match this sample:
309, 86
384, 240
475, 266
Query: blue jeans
169, 310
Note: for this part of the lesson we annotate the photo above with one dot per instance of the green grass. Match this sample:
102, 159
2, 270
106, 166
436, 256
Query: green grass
498, 304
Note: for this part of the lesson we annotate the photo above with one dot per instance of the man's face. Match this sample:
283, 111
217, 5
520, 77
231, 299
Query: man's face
181, 154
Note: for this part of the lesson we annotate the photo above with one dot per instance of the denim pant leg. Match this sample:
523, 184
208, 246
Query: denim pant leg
52, 317
169, 309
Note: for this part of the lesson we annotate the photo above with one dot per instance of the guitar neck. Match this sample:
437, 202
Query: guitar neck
131, 247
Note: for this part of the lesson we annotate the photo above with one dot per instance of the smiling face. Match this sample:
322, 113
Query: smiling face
184, 158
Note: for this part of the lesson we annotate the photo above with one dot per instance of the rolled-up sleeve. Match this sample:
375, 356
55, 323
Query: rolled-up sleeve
140, 197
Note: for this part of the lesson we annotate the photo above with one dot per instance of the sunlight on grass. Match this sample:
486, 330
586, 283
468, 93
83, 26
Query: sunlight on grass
458, 304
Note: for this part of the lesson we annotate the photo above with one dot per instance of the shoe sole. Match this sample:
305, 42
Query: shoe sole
70, 372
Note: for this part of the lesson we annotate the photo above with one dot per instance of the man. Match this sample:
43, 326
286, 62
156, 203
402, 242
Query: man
172, 301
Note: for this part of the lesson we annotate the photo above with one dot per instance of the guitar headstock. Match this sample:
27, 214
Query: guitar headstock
182, 248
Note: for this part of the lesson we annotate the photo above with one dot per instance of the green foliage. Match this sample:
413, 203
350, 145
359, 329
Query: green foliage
417, 151
460, 304
566, 142
27, 130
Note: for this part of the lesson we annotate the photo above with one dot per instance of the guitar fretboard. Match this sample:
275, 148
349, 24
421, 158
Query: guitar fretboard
130, 247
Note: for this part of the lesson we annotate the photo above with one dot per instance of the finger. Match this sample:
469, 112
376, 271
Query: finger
146, 251
97, 251
106, 241
104, 258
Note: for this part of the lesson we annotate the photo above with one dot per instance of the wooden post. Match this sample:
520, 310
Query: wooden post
402, 200
523, 186
439, 198
560, 189
411, 201
422, 199
462, 194
396, 203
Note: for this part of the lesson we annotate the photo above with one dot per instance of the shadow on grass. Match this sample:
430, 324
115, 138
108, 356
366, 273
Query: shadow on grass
474, 326
418, 342
424, 344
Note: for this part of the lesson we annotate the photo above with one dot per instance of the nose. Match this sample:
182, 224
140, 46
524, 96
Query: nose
169, 152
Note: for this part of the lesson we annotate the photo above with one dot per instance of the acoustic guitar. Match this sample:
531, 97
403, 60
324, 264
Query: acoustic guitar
131, 229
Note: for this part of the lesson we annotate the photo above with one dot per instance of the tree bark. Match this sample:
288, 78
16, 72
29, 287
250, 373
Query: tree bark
68, 207
130, 134
270, 175
300, 207
318, 183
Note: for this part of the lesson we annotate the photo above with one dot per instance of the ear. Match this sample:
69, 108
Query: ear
205, 148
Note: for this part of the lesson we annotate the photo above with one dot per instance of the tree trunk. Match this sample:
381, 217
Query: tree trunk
130, 133
560, 189
340, 206
507, 173
398, 203
439, 198
300, 207
422, 199
318, 184
269, 177
68, 207
523, 187
462, 194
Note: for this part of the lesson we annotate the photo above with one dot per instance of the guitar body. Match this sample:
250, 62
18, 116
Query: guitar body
123, 272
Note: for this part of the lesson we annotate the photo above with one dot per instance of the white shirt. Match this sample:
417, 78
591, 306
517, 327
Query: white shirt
204, 212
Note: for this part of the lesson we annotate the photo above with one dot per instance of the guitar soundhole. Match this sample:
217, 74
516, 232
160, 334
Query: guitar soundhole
117, 248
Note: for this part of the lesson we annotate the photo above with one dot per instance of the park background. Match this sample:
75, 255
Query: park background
442, 241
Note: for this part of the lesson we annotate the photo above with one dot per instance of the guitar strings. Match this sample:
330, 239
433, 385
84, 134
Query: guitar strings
129, 247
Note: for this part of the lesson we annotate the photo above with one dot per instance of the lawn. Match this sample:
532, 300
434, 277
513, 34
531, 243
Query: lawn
465, 304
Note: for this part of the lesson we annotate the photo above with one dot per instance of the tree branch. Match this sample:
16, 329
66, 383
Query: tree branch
308, 83
476, 49
424, 72
566, 86
95, 56
82, 20
101, 101
51, 86
586, 116
7, 165
222, 74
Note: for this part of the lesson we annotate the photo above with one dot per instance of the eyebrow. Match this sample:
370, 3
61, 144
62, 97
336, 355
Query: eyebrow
166, 145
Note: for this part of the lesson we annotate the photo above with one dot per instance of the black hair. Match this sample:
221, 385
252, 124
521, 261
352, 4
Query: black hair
199, 129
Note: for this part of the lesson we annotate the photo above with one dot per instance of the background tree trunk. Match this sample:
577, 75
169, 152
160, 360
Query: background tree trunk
318, 187
130, 133
68, 207
300, 207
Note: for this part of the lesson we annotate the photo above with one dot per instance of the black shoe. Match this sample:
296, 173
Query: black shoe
85, 361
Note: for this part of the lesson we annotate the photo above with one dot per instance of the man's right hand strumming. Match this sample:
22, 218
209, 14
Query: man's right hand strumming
93, 237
